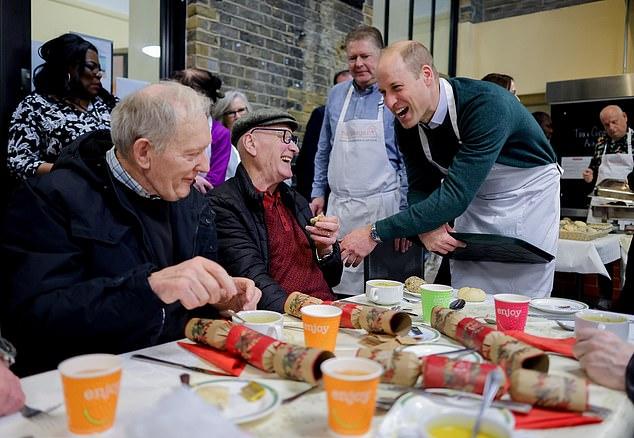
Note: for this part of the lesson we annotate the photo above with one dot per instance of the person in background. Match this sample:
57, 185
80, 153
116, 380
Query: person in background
606, 359
219, 150
464, 165
229, 109
613, 151
545, 122
357, 155
264, 230
304, 168
113, 251
502, 80
68, 102
11, 395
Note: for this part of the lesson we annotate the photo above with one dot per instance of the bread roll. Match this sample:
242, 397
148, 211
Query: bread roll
471, 294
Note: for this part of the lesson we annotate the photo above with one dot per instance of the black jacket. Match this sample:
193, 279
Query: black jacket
242, 237
77, 263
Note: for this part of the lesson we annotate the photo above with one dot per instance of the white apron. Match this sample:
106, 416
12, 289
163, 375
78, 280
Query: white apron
514, 202
616, 166
364, 185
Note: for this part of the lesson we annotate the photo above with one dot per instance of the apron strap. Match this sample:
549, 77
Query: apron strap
453, 118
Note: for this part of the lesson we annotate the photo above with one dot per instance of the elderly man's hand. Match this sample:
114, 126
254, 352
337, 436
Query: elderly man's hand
317, 205
194, 283
587, 175
440, 241
604, 356
356, 245
202, 185
324, 233
247, 297
11, 395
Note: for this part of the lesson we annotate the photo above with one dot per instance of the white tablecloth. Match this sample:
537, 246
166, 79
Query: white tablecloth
588, 257
143, 384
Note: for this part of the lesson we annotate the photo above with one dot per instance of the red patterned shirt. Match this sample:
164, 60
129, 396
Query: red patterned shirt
291, 257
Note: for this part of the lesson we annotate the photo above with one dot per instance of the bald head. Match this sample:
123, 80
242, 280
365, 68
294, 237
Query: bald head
614, 121
414, 55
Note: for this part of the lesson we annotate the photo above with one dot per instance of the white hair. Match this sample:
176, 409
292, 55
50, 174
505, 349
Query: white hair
157, 112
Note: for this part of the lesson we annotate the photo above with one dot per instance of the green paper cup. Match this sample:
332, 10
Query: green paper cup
432, 295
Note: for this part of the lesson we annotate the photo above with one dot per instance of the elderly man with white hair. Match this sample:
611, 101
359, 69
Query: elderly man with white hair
113, 251
613, 151
264, 227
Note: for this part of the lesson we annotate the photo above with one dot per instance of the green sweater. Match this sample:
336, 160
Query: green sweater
494, 128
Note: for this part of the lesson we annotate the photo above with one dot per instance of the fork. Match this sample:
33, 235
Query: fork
29, 412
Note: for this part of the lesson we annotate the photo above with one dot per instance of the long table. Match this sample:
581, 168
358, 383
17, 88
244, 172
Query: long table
143, 384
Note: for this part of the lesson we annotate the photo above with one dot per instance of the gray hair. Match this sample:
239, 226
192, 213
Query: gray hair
222, 105
157, 112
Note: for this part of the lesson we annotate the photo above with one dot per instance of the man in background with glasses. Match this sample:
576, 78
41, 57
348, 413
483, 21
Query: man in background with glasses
264, 227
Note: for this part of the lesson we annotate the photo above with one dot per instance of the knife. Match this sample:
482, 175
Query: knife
145, 358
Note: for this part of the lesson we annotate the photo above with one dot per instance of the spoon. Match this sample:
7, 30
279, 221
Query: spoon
457, 304
491, 385
565, 326
236, 316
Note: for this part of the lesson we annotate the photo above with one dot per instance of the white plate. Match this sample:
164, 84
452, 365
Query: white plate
429, 349
411, 411
428, 334
411, 294
362, 299
557, 305
239, 410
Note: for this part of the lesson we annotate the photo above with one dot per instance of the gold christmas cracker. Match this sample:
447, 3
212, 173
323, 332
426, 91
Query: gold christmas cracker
296, 301
211, 332
443, 372
299, 363
372, 319
506, 351
261, 351
549, 391
401, 367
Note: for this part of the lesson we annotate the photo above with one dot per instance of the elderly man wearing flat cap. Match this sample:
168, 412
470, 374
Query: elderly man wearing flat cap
264, 227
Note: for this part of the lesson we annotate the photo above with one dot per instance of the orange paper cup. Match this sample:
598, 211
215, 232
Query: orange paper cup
351, 384
91, 389
321, 325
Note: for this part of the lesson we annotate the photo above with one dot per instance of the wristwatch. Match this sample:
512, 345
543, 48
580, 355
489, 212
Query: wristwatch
324, 257
7, 352
374, 235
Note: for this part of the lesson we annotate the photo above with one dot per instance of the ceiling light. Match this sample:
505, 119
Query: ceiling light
153, 51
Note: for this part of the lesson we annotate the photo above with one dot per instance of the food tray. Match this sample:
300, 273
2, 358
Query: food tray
614, 188
582, 235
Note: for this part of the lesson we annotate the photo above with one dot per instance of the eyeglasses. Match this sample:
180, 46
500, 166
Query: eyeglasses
94, 68
233, 114
287, 137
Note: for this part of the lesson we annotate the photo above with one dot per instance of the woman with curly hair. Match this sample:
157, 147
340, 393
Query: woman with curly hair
68, 101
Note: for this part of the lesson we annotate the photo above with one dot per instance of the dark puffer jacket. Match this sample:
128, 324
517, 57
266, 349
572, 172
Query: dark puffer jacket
243, 241
78, 260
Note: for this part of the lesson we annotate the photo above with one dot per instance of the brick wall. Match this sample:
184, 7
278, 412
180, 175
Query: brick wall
281, 53
477, 11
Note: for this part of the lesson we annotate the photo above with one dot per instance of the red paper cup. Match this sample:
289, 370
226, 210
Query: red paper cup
511, 311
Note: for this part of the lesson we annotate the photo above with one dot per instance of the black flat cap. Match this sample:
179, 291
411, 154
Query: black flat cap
261, 117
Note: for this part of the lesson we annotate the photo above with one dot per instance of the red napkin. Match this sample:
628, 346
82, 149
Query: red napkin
226, 362
561, 346
539, 418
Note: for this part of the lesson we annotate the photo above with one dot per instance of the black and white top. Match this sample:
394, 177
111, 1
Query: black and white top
41, 126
